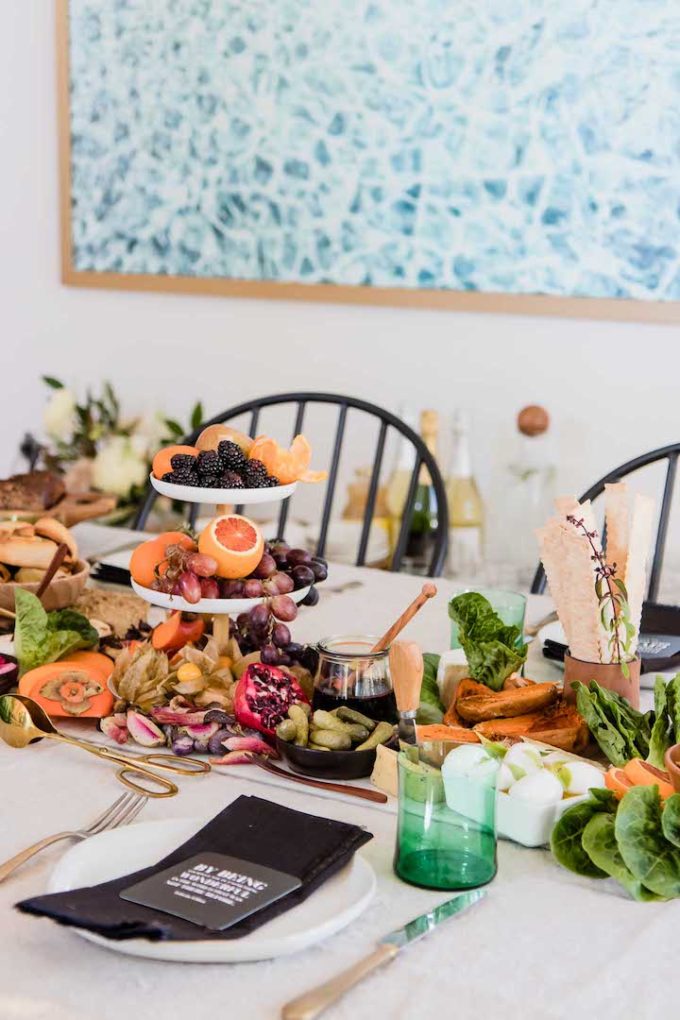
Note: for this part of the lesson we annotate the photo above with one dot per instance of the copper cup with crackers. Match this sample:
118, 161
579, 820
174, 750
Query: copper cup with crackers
598, 587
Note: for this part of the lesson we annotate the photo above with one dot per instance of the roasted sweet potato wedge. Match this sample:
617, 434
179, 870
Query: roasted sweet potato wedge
474, 707
559, 725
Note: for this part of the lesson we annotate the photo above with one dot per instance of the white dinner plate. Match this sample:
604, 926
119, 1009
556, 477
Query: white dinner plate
109, 855
555, 632
194, 494
214, 607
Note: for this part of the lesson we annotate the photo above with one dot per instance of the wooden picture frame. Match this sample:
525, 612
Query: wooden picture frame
624, 309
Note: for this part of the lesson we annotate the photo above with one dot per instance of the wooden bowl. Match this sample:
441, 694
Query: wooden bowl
672, 762
62, 592
307, 761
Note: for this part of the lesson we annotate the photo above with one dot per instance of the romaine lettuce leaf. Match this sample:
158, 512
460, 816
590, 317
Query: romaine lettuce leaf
493, 649
646, 852
660, 739
41, 637
430, 709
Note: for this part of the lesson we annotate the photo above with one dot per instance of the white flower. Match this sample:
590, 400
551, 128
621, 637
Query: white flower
117, 466
58, 416
149, 434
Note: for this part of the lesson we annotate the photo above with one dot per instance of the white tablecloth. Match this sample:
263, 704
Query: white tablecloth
544, 944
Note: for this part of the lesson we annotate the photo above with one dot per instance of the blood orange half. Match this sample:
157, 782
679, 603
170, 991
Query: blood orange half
235, 542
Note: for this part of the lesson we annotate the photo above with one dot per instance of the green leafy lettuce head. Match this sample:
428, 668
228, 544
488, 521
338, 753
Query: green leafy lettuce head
492, 648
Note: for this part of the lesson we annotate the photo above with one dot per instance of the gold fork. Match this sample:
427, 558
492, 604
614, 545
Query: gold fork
121, 812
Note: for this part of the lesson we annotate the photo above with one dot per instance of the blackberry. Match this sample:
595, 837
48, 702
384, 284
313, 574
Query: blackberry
208, 463
256, 469
184, 478
182, 462
210, 481
232, 480
272, 482
232, 457
169, 476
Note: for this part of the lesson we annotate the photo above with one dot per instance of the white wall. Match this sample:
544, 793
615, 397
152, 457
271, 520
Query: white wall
611, 388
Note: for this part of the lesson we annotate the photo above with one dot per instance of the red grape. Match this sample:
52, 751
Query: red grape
302, 576
242, 621
283, 608
232, 589
320, 570
204, 566
210, 589
269, 655
258, 617
265, 567
252, 589
311, 598
282, 582
297, 556
281, 635
189, 587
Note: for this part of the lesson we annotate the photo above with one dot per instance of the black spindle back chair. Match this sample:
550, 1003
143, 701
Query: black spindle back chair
667, 453
422, 456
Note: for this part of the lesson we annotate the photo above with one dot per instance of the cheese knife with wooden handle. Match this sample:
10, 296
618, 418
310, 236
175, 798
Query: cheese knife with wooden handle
313, 1003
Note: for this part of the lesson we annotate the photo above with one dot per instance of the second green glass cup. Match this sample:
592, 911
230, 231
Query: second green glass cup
510, 606
446, 833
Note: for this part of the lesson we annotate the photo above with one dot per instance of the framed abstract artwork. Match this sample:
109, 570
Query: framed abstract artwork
486, 155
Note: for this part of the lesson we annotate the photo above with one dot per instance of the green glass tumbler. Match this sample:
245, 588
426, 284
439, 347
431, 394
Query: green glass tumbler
510, 606
446, 834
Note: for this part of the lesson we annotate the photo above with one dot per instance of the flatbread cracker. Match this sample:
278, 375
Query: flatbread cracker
635, 578
618, 524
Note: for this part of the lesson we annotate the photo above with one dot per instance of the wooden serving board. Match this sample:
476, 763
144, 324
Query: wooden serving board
74, 508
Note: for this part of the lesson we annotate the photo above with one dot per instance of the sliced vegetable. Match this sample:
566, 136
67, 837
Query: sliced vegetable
176, 632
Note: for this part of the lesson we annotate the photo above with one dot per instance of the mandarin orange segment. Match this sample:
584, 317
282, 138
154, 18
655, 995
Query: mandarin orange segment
235, 542
161, 462
150, 555
287, 465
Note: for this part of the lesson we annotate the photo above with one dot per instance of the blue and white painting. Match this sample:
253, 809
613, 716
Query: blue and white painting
523, 146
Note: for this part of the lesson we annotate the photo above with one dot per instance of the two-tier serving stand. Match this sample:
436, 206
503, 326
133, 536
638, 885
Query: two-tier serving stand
224, 499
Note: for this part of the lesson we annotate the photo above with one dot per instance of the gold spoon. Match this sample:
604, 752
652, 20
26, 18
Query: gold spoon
23, 722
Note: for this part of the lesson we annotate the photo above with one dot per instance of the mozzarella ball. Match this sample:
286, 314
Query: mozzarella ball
578, 777
538, 788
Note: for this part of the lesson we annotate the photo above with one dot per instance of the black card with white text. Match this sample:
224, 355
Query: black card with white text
212, 889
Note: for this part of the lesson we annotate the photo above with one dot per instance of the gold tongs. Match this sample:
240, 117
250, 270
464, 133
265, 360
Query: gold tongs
23, 722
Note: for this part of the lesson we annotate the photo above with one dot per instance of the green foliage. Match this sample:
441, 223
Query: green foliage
661, 736
621, 732
493, 649
430, 709
566, 837
41, 637
651, 858
599, 843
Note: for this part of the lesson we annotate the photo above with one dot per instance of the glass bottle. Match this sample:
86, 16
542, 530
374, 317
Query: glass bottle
466, 509
423, 518
530, 490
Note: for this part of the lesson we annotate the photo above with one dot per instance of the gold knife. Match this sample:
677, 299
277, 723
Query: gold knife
314, 1002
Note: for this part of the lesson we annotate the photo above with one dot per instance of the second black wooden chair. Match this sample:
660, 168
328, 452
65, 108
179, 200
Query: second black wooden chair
421, 456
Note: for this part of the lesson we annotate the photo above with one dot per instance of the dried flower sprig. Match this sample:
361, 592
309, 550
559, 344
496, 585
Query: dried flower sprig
613, 600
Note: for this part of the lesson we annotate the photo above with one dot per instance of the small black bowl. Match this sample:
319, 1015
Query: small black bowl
306, 761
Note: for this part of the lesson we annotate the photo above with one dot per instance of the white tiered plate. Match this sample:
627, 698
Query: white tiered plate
192, 494
212, 607
110, 855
